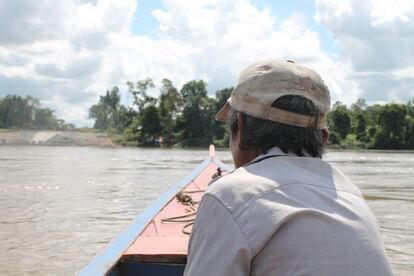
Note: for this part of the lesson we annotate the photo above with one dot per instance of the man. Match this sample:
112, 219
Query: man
283, 211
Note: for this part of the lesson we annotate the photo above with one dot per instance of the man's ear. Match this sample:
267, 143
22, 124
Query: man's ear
325, 135
240, 130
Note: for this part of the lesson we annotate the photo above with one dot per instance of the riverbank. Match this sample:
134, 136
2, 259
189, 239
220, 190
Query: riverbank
54, 138
87, 137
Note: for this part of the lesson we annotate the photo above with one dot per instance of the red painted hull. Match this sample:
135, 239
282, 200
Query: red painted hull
163, 240
155, 242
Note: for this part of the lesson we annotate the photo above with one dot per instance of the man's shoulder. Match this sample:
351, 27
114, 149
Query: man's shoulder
238, 187
248, 183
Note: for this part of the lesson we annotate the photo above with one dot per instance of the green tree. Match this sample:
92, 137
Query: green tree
17, 112
361, 127
410, 107
372, 112
339, 120
3, 113
410, 133
195, 120
107, 113
139, 92
25, 113
150, 125
44, 119
143, 110
392, 120
170, 105
126, 116
359, 106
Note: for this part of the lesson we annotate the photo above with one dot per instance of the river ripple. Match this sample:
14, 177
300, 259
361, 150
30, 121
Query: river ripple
60, 205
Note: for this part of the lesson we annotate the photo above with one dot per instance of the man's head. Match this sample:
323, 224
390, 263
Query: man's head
277, 104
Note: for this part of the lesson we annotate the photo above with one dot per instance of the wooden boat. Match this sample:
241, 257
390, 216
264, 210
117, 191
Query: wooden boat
155, 243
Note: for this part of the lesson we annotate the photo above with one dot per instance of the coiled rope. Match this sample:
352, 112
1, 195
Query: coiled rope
189, 218
184, 198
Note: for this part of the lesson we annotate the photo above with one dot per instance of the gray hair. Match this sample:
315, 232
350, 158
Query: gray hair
266, 134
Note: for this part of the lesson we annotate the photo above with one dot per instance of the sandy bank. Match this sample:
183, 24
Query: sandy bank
54, 138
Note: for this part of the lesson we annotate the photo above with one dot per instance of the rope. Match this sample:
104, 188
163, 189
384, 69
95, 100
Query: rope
184, 198
179, 218
192, 192
190, 202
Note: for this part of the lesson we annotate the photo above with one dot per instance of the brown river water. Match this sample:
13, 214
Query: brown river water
60, 205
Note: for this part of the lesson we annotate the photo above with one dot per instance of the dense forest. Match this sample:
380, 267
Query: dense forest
18, 112
185, 117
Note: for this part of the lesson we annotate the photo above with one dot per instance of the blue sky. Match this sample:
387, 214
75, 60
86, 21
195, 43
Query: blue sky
283, 9
145, 24
67, 53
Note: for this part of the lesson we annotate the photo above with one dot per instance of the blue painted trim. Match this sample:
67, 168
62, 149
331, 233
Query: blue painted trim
222, 165
106, 259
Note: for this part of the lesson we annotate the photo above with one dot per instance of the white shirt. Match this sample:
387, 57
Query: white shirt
285, 215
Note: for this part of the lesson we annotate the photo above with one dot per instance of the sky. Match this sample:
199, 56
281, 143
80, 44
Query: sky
67, 53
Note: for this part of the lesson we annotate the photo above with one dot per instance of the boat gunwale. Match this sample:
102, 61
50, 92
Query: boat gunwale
109, 256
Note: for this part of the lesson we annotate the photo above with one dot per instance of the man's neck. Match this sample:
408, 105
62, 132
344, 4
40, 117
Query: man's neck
246, 155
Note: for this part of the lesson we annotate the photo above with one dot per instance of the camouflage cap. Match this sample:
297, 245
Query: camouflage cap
261, 83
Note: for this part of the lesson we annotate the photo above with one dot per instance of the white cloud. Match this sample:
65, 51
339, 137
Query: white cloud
54, 50
233, 34
67, 56
377, 39
389, 12
25, 21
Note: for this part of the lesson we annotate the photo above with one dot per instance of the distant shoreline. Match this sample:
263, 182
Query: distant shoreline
100, 139
54, 138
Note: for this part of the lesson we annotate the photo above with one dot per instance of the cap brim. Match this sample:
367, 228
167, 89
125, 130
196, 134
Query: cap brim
221, 116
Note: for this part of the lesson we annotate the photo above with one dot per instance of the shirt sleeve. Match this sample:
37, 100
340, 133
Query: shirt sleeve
217, 245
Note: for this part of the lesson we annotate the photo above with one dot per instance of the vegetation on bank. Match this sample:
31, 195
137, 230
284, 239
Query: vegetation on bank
177, 117
388, 126
18, 112
186, 117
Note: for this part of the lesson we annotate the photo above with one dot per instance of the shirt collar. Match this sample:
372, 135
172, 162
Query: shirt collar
275, 151
278, 151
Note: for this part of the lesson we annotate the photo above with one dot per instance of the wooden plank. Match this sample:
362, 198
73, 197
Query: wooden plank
160, 249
